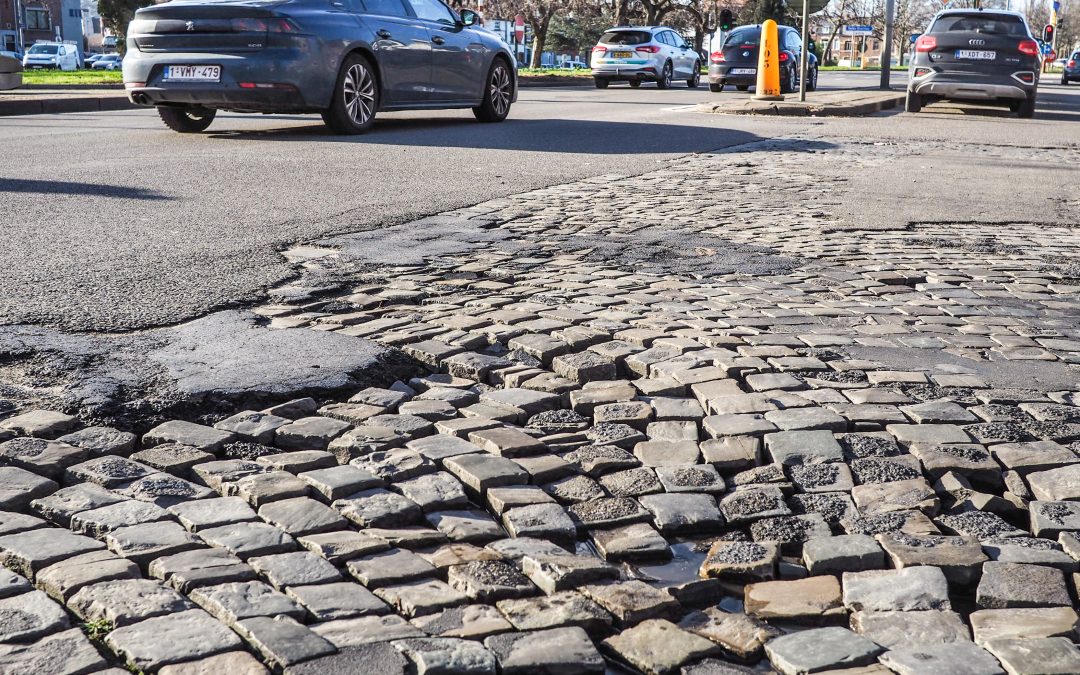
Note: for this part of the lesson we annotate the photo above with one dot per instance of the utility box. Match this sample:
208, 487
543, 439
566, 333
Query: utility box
10, 72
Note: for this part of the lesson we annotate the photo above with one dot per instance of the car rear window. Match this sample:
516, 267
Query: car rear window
986, 24
744, 36
626, 37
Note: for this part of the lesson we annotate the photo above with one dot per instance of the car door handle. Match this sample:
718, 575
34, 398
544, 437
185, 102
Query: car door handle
383, 33
438, 40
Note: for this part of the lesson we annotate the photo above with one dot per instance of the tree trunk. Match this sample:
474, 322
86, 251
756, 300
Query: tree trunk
540, 30
622, 12
828, 45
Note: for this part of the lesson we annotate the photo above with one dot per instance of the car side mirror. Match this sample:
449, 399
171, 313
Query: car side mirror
469, 17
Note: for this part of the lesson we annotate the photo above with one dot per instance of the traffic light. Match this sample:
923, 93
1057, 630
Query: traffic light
727, 20
1048, 33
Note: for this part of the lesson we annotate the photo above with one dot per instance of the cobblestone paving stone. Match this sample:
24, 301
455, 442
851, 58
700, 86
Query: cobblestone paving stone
610, 442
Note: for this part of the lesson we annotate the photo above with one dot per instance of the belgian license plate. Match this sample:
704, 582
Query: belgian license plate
744, 71
621, 55
975, 54
193, 73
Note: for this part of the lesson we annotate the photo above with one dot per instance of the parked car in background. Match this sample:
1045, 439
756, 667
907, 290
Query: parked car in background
637, 54
53, 55
345, 60
575, 65
88, 62
986, 56
736, 61
108, 62
18, 56
1070, 72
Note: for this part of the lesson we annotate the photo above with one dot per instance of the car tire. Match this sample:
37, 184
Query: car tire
356, 97
601, 82
1064, 81
634, 83
1024, 109
789, 84
743, 87
716, 88
811, 79
190, 120
665, 77
913, 102
695, 80
499, 93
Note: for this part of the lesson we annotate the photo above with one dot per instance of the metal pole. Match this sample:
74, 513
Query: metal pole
19, 37
886, 53
803, 58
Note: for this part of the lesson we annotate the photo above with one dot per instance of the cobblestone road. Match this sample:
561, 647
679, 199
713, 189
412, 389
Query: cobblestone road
647, 431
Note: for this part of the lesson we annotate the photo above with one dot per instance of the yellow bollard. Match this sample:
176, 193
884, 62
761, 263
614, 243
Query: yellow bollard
768, 67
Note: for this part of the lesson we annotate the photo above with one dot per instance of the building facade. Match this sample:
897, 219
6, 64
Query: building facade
24, 22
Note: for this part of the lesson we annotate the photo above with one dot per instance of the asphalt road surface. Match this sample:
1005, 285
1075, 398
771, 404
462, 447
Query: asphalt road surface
114, 223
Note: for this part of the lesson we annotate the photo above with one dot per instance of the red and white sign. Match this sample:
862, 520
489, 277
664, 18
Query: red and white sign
519, 28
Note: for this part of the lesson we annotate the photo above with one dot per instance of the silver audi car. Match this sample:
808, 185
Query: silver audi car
343, 59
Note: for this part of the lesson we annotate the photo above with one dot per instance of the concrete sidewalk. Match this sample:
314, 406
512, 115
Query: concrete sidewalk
32, 100
847, 102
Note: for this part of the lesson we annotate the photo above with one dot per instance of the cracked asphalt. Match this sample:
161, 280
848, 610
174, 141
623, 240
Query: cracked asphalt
114, 224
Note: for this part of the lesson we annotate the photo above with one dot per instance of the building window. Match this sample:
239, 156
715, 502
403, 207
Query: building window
95, 23
37, 19
75, 13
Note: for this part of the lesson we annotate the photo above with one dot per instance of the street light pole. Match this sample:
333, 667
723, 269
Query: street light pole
886, 58
19, 44
803, 58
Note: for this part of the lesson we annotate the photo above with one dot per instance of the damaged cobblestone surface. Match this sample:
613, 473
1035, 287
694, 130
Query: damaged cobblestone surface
640, 430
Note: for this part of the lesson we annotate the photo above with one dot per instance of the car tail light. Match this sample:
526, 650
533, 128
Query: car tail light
264, 25
1072, 63
134, 85
248, 25
599, 50
926, 43
1027, 77
920, 72
1029, 47
717, 57
783, 57
648, 49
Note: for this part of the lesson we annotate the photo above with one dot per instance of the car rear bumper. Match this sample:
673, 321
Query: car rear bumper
723, 75
971, 89
227, 98
273, 80
625, 72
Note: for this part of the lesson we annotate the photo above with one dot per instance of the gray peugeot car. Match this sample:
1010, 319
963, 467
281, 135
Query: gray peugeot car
975, 55
343, 59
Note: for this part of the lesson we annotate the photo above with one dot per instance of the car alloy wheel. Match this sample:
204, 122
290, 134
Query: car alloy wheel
499, 95
359, 92
695, 79
500, 90
665, 77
